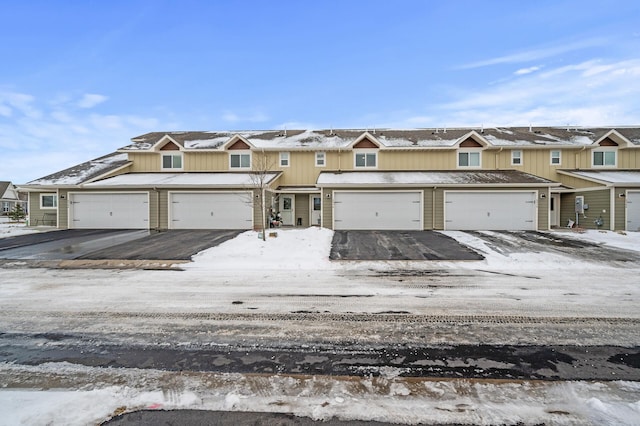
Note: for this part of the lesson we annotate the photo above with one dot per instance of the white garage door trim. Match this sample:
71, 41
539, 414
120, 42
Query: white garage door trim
210, 209
108, 210
632, 210
501, 213
378, 210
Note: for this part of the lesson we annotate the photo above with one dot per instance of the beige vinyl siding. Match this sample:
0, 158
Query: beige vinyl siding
416, 160
575, 182
427, 205
597, 200
206, 161
144, 162
63, 208
629, 158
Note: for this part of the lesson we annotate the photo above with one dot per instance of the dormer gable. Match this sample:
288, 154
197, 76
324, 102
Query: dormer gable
366, 141
613, 138
167, 143
472, 140
236, 143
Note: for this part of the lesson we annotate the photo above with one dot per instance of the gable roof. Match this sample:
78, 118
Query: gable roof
607, 177
497, 137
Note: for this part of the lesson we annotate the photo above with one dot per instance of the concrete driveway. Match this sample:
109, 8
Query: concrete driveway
103, 244
398, 245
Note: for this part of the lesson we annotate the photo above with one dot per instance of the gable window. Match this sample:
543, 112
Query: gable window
240, 160
171, 161
320, 159
604, 158
284, 159
555, 158
469, 159
516, 158
366, 159
48, 201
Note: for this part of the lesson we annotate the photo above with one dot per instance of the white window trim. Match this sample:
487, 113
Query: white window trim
324, 159
285, 157
559, 157
365, 152
603, 150
172, 154
513, 157
241, 153
55, 200
469, 151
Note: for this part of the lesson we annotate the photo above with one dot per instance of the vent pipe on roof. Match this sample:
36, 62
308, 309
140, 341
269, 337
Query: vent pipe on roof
436, 130
444, 130
482, 128
285, 132
530, 130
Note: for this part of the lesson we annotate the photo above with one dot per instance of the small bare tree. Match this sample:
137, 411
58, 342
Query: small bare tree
261, 173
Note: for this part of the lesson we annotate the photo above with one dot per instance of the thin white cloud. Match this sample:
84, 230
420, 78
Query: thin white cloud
536, 54
523, 71
89, 100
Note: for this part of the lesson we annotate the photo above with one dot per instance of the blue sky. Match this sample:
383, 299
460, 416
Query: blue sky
80, 78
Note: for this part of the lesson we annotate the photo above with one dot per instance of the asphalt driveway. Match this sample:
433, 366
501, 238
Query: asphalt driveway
107, 244
398, 245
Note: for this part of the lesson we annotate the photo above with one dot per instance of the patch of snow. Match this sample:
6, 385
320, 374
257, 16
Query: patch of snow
81, 172
179, 179
12, 229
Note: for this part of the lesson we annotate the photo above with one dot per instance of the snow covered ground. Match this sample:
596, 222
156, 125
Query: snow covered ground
292, 272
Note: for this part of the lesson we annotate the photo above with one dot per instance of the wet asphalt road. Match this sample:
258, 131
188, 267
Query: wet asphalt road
457, 361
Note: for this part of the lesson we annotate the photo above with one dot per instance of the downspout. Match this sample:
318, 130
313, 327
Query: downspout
496, 157
339, 160
578, 157
612, 209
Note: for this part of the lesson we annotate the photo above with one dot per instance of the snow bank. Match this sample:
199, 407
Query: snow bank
12, 229
291, 249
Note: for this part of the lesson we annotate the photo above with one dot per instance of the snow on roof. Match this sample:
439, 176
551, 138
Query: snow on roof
83, 172
164, 180
455, 177
610, 176
391, 138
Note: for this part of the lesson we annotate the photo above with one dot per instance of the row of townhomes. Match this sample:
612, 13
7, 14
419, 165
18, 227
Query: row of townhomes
442, 179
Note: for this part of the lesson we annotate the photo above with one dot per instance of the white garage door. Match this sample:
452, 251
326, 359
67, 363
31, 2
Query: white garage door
206, 210
109, 210
633, 210
382, 210
490, 210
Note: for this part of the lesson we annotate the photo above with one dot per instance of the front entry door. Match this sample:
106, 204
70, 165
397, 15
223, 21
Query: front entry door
554, 210
287, 209
316, 210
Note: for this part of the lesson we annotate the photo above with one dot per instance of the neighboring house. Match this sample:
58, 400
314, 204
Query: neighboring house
451, 179
9, 198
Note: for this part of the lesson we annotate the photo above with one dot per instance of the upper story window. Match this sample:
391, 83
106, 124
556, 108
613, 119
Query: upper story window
366, 159
48, 201
604, 158
516, 158
469, 158
284, 159
172, 161
320, 159
240, 160
556, 158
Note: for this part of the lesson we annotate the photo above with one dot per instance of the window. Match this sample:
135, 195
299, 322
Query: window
284, 159
604, 158
240, 160
5, 206
555, 158
48, 201
516, 158
171, 161
469, 159
366, 159
320, 159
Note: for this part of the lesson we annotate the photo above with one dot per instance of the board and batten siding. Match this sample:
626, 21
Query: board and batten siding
144, 162
599, 202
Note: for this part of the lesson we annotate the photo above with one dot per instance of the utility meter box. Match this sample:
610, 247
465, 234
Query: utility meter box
580, 204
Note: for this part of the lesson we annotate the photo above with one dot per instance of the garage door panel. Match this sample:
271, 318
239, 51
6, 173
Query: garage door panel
377, 210
192, 210
490, 210
109, 211
633, 210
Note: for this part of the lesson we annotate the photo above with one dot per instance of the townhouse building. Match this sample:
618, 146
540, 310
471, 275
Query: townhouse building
514, 178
